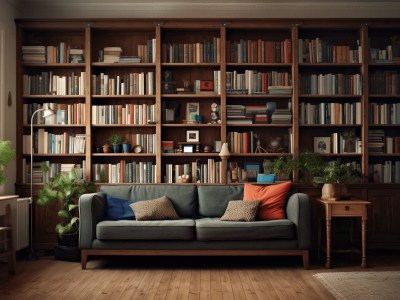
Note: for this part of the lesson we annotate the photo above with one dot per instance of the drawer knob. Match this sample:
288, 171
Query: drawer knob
347, 208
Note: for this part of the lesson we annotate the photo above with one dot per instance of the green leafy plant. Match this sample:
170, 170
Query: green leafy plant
335, 172
310, 165
349, 133
283, 166
7, 154
116, 139
66, 189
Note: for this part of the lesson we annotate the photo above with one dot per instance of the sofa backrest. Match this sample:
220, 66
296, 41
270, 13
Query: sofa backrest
213, 200
183, 196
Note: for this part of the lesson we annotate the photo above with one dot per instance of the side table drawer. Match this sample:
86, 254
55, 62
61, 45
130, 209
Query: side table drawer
347, 209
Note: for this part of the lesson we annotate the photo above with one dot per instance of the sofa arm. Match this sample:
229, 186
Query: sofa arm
91, 211
298, 211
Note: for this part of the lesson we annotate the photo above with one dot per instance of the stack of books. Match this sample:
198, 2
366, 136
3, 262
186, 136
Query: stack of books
376, 141
129, 59
112, 54
281, 116
280, 90
34, 54
76, 56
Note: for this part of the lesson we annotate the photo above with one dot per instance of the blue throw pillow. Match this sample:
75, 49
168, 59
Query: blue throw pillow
119, 209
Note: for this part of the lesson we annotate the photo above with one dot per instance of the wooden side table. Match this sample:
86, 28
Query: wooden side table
345, 208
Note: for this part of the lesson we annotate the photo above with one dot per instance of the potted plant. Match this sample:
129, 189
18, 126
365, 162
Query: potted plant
310, 165
334, 177
65, 189
116, 142
283, 167
7, 154
127, 146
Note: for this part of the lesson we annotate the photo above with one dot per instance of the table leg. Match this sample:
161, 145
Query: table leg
328, 244
364, 243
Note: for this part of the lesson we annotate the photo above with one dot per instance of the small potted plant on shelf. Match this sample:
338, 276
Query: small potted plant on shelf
283, 167
334, 177
349, 140
7, 154
116, 142
65, 188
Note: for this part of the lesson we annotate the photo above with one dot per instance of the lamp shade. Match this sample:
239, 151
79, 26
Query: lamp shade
48, 112
224, 151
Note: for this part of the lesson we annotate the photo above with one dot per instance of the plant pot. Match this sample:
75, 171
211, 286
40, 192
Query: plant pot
106, 149
69, 240
67, 253
331, 191
117, 148
127, 148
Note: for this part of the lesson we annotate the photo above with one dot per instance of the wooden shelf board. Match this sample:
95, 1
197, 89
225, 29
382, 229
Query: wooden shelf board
64, 65
118, 65
55, 126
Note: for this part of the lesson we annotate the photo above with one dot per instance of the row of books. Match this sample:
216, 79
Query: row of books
319, 51
61, 53
49, 143
330, 113
147, 52
47, 83
197, 171
336, 144
129, 84
384, 83
388, 172
254, 82
125, 172
205, 52
53, 169
331, 84
384, 113
123, 114
147, 141
64, 113
259, 51
390, 53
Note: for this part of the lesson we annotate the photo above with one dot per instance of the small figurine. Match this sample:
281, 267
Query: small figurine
275, 145
215, 114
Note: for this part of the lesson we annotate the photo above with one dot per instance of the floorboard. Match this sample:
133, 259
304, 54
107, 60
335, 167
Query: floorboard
247, 278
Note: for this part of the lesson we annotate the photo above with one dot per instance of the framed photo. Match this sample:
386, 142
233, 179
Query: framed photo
252, 169
167, 146
192, 136
322, 144
192, 111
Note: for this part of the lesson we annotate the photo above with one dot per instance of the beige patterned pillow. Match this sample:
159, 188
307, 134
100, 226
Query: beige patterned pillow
156, 209
242, 211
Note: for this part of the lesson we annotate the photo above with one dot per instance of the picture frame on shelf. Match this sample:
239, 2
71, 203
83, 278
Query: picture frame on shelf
192, 111
252, 169
188, 148
322, 144
192, 136
167, 146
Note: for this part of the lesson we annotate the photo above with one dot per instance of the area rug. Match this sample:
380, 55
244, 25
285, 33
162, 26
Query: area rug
362, 285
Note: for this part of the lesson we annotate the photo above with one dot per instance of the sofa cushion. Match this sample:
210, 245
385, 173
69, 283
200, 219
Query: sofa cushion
182, 229
273, 199
213, 200
155, 209
183, 196
212, 229
241, 211
118, 209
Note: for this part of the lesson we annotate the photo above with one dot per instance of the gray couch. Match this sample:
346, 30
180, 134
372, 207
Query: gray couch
198, 232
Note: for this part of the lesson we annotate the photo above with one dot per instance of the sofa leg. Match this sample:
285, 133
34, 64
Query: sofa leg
83, 259
305, 259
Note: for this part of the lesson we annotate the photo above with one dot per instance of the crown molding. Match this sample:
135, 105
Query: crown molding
162, 9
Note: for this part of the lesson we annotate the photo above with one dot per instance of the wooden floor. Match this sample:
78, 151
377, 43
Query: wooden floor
179, 278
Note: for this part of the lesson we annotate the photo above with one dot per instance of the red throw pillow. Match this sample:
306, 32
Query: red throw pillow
272, 197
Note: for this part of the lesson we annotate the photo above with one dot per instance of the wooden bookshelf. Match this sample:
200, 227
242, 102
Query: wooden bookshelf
250, 38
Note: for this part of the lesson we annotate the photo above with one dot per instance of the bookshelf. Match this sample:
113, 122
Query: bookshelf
291, 81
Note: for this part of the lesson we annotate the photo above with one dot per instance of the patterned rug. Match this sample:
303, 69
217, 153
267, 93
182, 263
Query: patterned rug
362, 285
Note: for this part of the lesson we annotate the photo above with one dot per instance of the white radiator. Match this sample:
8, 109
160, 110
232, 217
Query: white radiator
21, 234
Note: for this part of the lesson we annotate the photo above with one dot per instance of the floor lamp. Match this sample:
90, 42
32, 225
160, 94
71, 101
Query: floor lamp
47, 112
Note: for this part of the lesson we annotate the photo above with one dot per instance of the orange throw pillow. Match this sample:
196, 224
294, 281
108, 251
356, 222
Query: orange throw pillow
273, 199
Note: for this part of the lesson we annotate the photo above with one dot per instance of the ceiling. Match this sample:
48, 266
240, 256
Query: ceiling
206, 9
